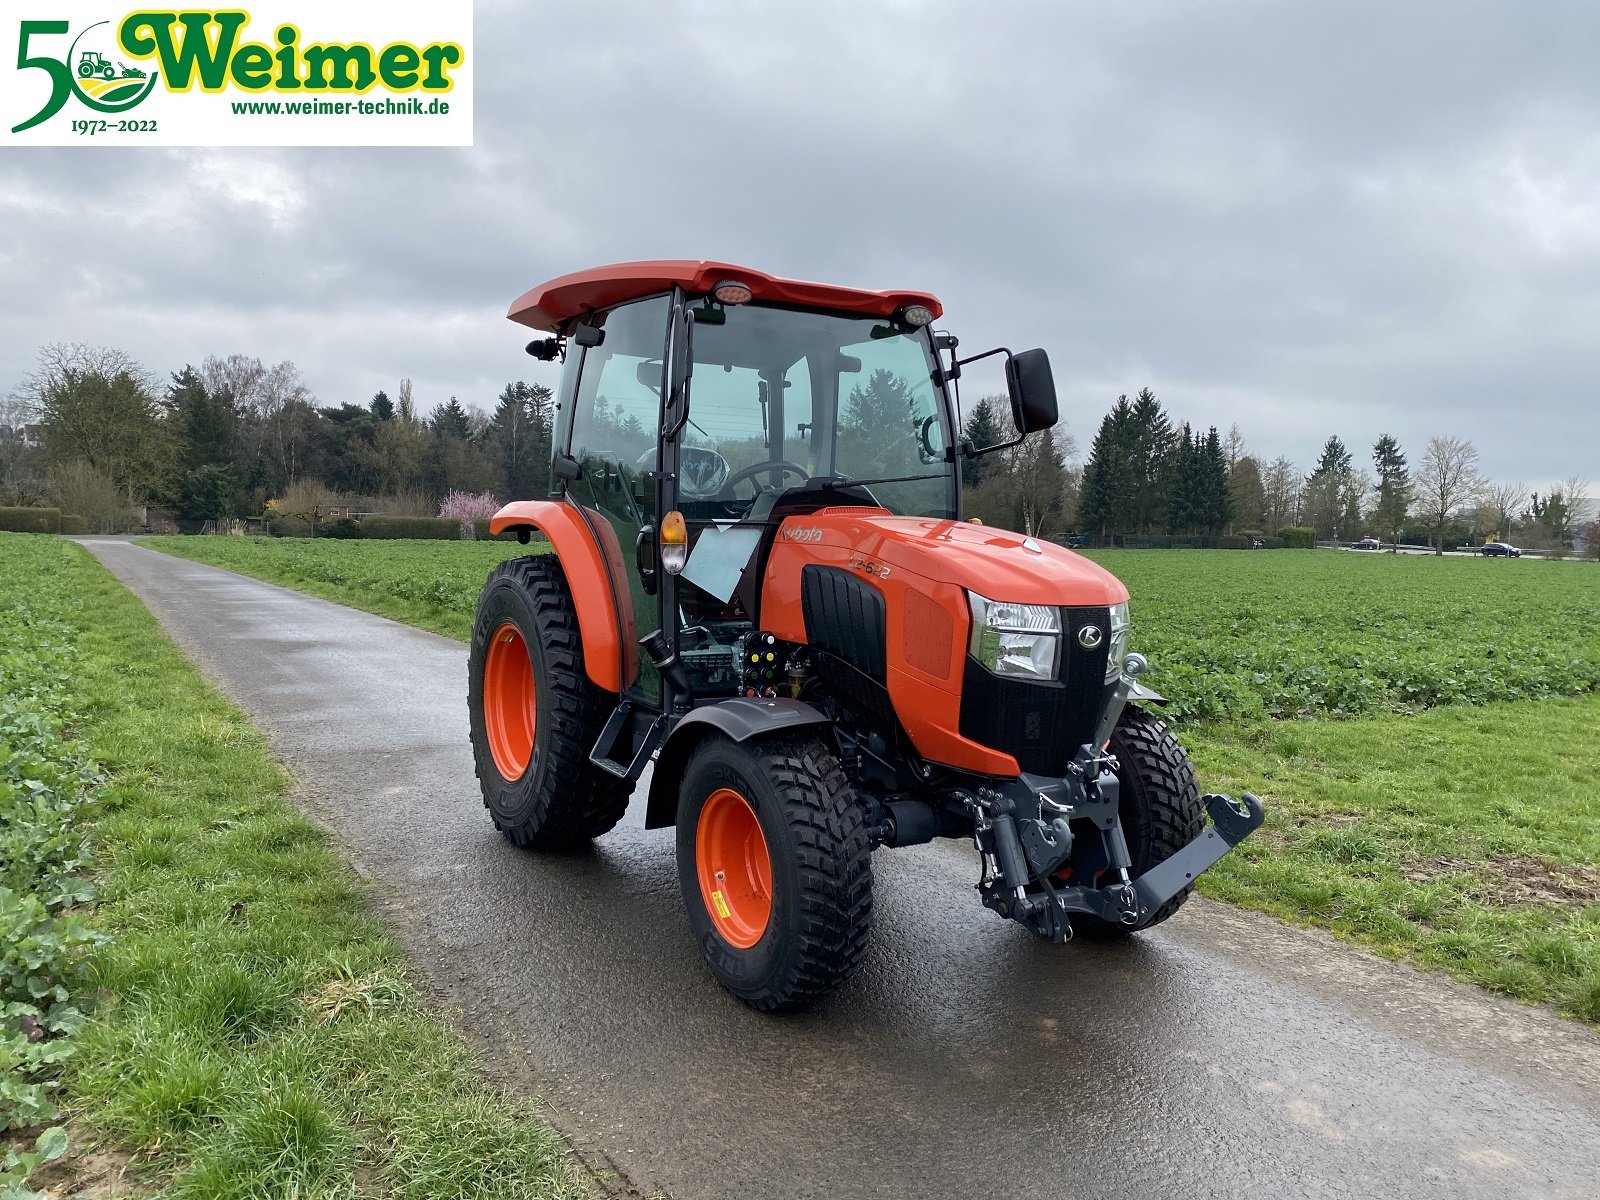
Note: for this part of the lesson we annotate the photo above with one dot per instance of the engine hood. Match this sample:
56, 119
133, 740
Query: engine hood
992, 562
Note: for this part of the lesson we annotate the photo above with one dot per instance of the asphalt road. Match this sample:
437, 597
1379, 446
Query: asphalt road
1219, 1055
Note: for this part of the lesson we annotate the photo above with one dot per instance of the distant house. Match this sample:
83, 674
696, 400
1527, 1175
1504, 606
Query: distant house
33, 436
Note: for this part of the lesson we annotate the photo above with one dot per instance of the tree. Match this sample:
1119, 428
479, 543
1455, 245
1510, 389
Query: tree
878, 419
1151, 444
450, 420
1280, 485
1030, 488
1394, 489
205, 436
1106, 501
97, 406
1248, 495
518, 439
1447, 479
1327, 490
982, 428
1216, 501
1505, 502
1233, 446
381, 407
1185, 504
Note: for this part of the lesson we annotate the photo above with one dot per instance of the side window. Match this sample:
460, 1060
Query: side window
616, 417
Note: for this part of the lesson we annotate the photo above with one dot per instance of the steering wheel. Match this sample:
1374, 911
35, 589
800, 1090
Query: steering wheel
783, 466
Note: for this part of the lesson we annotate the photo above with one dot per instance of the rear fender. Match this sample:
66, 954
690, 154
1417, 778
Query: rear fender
586, 546
739, 719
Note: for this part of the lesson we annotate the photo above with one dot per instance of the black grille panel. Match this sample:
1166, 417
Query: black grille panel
1041, 725
846, 617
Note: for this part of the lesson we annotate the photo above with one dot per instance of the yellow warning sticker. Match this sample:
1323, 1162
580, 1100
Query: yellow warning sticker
721, 905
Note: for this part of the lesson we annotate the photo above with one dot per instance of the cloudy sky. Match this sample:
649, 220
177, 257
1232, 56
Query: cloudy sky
1348, 218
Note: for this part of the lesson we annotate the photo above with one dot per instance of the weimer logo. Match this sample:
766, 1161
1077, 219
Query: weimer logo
236, 77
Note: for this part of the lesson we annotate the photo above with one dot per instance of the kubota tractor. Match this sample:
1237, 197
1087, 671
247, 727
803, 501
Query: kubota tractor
762, 581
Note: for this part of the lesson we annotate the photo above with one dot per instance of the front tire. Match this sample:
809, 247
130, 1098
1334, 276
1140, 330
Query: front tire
1159, 806
535, 714
776, 869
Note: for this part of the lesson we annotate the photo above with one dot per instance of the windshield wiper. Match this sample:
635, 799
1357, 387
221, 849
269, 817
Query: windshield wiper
839, 481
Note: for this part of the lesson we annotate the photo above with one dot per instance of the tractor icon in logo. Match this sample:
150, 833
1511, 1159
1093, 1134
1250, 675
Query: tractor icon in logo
102, 83
94, 63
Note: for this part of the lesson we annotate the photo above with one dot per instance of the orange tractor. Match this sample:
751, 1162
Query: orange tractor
761, 582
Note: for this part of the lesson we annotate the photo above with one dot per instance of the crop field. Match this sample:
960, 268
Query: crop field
1421, 729
1231, 637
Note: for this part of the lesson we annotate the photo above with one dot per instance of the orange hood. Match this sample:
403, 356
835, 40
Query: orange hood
992, 562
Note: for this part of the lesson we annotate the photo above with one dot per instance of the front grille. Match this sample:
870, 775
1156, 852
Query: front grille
1041, 725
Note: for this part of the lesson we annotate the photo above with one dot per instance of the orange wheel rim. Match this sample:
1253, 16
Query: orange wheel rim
508, 701
734, 867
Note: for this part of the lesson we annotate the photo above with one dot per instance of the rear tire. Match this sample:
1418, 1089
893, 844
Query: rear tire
535, 714
1160, 808
786, 800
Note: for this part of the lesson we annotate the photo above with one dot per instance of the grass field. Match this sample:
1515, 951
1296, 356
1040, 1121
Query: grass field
1422, 730
255, 1033
1231, 636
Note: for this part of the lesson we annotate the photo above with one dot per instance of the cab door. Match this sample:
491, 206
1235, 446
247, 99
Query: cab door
616, 427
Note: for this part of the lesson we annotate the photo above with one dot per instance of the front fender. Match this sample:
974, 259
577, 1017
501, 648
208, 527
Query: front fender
738, 719
591, 559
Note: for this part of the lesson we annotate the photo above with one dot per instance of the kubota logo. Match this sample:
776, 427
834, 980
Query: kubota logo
111, 64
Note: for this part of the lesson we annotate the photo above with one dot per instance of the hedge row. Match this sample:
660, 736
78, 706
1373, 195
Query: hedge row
1298, 537
31, 520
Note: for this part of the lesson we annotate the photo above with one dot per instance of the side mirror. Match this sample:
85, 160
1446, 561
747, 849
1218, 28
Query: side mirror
1033, 391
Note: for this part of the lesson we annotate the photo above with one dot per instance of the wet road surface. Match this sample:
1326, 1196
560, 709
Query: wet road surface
1219, 1055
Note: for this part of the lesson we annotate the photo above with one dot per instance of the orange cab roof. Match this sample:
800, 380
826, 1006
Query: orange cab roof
551, 305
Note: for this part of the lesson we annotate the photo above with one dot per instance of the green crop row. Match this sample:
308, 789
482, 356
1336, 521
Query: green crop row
1229, 636
46, 788
1239, 637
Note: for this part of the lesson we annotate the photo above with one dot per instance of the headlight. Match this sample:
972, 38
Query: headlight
1019, 640
1120, 625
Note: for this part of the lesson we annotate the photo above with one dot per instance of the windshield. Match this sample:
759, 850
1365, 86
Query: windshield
786, 396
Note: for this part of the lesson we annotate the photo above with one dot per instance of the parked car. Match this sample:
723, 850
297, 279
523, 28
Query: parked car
1367, 543
1500, 550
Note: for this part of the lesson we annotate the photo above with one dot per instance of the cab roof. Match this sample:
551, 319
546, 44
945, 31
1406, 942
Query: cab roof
551, 305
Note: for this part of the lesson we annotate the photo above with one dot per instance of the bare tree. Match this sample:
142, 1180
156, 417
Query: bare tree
1506, 501
1233, 446
59, 360
1280, 484
1447, 479
1575, 491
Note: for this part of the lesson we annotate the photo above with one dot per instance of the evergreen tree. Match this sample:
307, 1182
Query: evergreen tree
1152, 445
1394, 488
982, 429
1186, 502
450, 420
205, 444
1327, 489
1216, 502
382, 408
1106, 501
518, 438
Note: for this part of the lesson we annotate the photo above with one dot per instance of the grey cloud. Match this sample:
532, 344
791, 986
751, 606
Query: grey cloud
1348, 218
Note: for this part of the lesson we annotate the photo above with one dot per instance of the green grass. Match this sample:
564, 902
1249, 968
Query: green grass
258, 1035
1238, 635
1231, 636
431, 584
1467, 838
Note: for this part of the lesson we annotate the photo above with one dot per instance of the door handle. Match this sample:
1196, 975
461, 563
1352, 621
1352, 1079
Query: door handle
644, 558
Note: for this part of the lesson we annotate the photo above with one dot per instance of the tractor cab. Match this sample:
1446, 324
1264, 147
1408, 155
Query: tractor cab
695, 418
